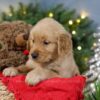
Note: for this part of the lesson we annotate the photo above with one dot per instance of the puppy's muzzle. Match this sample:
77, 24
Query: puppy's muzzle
34, 55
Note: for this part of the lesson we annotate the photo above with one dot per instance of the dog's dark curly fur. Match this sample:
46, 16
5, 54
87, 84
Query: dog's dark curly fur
10, 53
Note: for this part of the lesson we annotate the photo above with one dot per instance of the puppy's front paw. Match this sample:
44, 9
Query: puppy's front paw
11, 71
34, 77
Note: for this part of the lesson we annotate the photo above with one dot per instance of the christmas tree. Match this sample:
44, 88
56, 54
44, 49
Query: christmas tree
80, 26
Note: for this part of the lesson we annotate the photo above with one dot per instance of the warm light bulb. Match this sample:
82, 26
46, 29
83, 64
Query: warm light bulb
84, 14
70, 22
79, 48
50, 14
78, 20
73, 32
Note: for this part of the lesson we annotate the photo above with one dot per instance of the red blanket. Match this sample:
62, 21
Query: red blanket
52, 89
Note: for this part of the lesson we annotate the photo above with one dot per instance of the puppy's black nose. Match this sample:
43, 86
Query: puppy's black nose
34, 55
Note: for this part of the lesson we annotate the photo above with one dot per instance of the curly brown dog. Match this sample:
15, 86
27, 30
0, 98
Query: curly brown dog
12, 43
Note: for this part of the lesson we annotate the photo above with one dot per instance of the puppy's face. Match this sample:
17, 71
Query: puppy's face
43, 47
46, 48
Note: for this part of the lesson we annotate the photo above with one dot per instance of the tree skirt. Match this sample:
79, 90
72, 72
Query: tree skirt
14, 88
5, 94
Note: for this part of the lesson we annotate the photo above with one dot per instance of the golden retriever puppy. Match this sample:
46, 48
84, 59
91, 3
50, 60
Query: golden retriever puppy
50, 48
50, 52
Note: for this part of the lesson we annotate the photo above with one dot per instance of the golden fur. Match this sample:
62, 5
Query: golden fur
53, 44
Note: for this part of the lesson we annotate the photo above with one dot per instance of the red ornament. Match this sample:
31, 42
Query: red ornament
26, 52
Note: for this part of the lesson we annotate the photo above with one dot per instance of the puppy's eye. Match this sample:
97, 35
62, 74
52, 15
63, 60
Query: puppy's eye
46, 42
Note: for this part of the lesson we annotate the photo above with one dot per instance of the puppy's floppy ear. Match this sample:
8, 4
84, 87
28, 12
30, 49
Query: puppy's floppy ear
64, 43
21, 39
